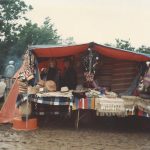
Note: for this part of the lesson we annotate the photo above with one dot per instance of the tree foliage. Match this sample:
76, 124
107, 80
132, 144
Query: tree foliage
15, 37
11, 12
32, 34
126, 45
144, 49
123, 44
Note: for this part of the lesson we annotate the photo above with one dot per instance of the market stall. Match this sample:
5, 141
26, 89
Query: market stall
82, 77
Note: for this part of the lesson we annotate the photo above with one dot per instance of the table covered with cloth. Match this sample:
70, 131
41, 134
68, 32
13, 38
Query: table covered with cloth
135, 105
54, 98
51, 98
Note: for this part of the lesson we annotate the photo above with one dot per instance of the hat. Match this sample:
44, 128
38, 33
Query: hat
64, 89
50, 85
11, 62
41, 83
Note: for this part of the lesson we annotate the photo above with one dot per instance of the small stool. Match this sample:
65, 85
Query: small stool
19, 124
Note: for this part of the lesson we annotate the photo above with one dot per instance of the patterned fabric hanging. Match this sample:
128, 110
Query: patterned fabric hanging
89, 60
28, 64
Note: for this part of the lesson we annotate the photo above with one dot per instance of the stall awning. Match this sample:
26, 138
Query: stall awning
43, 51
59, 51
121, 54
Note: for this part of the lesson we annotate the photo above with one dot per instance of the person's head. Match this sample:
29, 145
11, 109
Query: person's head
52, 63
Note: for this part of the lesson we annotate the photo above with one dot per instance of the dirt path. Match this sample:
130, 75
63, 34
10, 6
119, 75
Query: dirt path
107, 134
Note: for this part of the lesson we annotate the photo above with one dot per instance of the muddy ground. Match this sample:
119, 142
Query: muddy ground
60, 134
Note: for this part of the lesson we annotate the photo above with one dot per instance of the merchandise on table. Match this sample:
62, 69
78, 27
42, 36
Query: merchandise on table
109, 106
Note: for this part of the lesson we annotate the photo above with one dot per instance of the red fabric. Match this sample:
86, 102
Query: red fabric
8, 110
120, 54
60, 51
75, 49
85, 103
60, 65
80, 103
43, 64
140, 113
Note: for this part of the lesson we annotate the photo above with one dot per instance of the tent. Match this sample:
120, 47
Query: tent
9, 111
61, 51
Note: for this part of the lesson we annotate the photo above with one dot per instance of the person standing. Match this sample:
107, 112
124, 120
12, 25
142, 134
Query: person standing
51, 73
10, 69
69, 77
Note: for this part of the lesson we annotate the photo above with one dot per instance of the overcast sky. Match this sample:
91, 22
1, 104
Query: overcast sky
100, 21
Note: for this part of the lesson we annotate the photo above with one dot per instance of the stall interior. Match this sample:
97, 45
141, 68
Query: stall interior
117, 75
85, 81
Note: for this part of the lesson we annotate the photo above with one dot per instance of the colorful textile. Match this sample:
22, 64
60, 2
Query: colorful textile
109, 106
29, 73
53, 100
143, 114
143, 105
43, 100
83, 103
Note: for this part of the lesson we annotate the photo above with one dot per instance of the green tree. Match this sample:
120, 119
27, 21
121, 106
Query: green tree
143, 49
11, 13
48, 34
15, 38
123, 44
32, 34
126, 45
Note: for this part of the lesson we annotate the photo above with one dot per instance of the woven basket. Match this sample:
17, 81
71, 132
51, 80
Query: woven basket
50, 86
